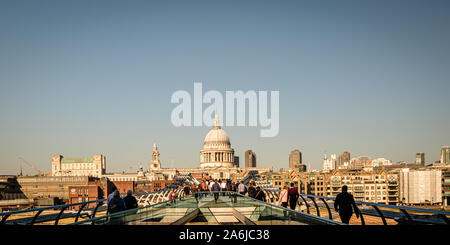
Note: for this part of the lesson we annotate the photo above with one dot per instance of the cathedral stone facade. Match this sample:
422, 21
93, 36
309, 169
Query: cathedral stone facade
217, 151
217, 159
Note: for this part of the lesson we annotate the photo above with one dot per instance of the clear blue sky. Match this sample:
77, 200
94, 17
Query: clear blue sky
85, 77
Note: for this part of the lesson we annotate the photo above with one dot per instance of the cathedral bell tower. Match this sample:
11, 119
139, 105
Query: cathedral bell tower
155, 163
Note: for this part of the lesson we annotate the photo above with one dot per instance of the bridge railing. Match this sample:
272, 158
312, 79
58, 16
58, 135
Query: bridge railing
151, 211
401, 214
59, 212
118, 217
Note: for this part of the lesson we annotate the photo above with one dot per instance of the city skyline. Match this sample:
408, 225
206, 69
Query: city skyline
79, 79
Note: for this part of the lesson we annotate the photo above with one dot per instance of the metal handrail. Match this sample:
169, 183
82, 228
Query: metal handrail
441, 214
126, 211
105, 217
6, 215
423, 210
295, 211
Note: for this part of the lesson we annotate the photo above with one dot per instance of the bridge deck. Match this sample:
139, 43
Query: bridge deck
227, 209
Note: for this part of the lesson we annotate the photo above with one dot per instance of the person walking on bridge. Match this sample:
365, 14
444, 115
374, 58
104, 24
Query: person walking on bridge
283, 200
186, 190
345, 205
130, 200
242, 189
251, 190
204, 188
215, 189
172, 196
116, 204
223, 187
293, 196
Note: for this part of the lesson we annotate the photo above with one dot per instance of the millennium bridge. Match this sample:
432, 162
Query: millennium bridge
230, 208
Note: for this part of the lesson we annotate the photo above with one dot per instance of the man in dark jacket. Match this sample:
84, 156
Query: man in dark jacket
111, 195
116, 204
344, 204
130, 200
215, 190
186, 190
260, 195
293, 196
251, 190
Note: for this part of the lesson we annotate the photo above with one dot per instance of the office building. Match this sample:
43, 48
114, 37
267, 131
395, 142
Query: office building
250, 159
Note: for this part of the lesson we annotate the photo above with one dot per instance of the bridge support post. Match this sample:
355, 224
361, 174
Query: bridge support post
315, 204
95, 210
2, 222
380, 213
407, 215
306, 203
79, 211
35, 217
328, 208
59, 215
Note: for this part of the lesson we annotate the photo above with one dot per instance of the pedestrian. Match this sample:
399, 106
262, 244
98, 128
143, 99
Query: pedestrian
293, 196
251, 190
233, 190
186, 190
204, 187
130, 200
233, 187
215, 189
223, 187
260, 195
242, 189
111, 195
229, 183
116, 204
283, 199
345, 205
194, 191
172, 196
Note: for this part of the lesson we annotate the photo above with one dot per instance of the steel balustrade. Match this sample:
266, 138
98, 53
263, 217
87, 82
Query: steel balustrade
440, 215
64, 207
309, 217
162, 196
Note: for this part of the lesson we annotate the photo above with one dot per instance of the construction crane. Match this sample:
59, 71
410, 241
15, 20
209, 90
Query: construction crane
31, 165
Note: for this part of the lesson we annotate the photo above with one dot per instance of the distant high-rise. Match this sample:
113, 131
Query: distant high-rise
236, 161
329, 164
361, 162
366, 161
420, 158
344, 159
295, 161
380, 162
250, 159
445, 155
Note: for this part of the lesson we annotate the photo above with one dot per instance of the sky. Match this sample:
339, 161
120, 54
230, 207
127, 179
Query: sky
79, 78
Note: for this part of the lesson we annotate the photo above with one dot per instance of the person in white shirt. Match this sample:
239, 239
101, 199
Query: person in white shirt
242, 189
223, 187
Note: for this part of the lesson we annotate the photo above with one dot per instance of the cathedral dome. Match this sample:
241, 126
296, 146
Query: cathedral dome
217, 151
217, 137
